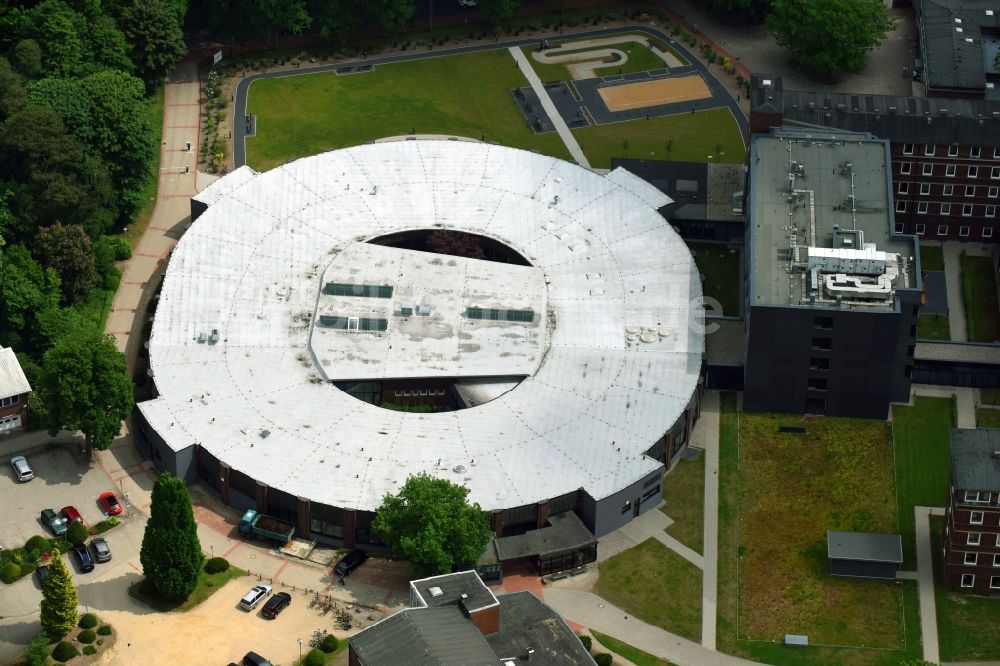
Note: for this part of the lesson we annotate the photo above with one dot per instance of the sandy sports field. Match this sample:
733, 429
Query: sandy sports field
655, 93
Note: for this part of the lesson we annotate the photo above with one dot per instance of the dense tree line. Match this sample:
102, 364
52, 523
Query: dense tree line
76, 152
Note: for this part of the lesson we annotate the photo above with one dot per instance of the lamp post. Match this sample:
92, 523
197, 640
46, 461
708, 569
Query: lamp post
300, 649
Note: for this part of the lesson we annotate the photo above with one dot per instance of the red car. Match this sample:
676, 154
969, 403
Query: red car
109, 504
71, 514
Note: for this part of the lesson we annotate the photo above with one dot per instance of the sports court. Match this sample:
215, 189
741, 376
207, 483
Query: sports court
655, 93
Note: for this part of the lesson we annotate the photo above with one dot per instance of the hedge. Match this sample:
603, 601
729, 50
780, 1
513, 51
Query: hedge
87, 621
10, 572
65, 651
104, 630
216, 565
87, 636
329, 644
314, 658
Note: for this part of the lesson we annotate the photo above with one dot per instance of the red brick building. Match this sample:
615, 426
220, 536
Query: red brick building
971, 539
14, 390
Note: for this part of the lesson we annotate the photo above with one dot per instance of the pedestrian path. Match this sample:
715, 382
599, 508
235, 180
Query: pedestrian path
710, 571
925, 582
550, 109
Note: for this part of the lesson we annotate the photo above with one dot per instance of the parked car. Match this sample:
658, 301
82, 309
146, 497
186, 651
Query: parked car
109, 504
254, 659
276, 604
102, 552
41, 573
22, 470
83, 558
54, 522
253, 597
350, 562
71, 514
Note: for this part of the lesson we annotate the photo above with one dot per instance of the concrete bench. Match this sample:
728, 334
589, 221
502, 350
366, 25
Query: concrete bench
796, 640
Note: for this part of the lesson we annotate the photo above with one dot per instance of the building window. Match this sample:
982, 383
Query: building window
942, 230
953, 150
906, 168
928, 169
995, 582
963, 231
925, 189
970, 559
922, 208
947, 190
975, 152
972, 539
993, 192
949, 170
970, 190
12, 400
991, 211
822, 344
976, 517
819, 363
973, 172
967, 210
903, 188
817, 384
929, 150
946, 209
987, 232
995, 173
996, 558
920, 229
968, 580
977, 497
996, 153
899, 227
900, 206
823, 323
908, 149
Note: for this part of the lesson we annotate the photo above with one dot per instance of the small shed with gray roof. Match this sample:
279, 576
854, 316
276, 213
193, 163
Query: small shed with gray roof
864, 554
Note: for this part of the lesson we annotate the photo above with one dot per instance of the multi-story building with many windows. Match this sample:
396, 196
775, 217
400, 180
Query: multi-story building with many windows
971, 539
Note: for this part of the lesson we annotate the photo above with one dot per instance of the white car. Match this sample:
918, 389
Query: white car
21, 469
253, 597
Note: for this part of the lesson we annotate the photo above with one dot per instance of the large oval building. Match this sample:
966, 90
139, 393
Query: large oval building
308, 355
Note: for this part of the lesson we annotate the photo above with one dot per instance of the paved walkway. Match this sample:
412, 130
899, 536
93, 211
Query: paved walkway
925, 582
965, 400
953, 283
543, 96
710, 572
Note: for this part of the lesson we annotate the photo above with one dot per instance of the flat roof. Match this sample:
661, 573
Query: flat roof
621, 359
12, 379
951, 41
864, 546
821, 205
464, 586
565, 531
972, 461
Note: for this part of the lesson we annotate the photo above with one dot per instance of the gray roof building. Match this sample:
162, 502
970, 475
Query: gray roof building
864, 546
975, 458
958, 41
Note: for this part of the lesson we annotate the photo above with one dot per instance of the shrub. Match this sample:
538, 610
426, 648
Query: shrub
587, 642
216, 565
10, 572
107, 524
104, 630
603, 659
37, 543
122, 249
77, 532
87, 621
87, 636
112, 280
314, 658
329, 644
64, 651
59, 545
89, 650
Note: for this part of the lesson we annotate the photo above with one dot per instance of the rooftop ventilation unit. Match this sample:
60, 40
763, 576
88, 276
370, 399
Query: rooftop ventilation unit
435, 591
406, 308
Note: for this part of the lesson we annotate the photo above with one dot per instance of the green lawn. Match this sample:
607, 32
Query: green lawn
920, 442
979, 290
692, 137
988, 418
721, 268
208, 584
968, 625
633, 654
640, 59
989, 396
933, 327
684, 502
467, 95
656, 585
931, 258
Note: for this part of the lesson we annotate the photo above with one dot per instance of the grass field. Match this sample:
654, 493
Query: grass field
920, 440
684, 502
721, 268
633, 654
638, 59
692, 137
208, 584
933, 327
931, 258
656, 585
988, 418
990, 396
466, 95
968, 625
979, 290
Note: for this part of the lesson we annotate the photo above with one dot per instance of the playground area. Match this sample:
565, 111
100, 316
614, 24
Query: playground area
654, 93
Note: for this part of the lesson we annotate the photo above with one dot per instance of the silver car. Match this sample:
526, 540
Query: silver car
21, 469
102, 552
253, 597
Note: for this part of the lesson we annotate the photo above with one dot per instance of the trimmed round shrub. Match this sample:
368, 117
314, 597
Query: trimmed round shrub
314, 658
89, 650
587, 642
10, 572
329, 644
77, 532
104, 630
65, 651
87, 636
216, 565
37, 543
603, 659
87, 621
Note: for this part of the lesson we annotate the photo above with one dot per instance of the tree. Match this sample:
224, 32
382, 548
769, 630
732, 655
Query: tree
152, 29
455, 243
390, 15
62, 45
336, 20
431, 523
829, 36
70, 100
171, 554
58, 609
85, 385
68, 250
28, 57
11, 90
77, 532
499, 11
38, 651
26, 288
276, 15
109, 46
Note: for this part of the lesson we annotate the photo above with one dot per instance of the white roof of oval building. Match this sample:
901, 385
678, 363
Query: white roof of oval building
611, 364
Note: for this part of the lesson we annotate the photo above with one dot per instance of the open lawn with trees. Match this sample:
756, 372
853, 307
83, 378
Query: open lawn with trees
464, 95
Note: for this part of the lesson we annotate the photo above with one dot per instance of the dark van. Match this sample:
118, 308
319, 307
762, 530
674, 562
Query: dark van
254, 659
350, 562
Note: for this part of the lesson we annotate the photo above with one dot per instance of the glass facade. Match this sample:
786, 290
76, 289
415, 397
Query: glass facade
360, 290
